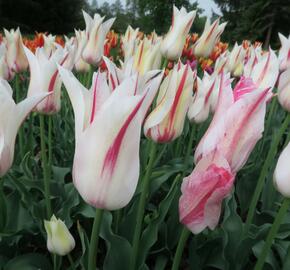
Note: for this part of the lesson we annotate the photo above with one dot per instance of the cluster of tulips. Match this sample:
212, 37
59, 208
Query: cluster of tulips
151, 91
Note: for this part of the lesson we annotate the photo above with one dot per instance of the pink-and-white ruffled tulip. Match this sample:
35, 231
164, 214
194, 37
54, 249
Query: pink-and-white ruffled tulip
80, 64
210, 36
266, 71
96, 31
236, 127
203, 192
173, 42
284, 52
44, 78
11, 117
165, 122
205, 97
15, 55
236, 60
108, 126
238, 123
281, 177
284, 90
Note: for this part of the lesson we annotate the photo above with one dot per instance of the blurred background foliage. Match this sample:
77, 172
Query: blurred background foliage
254, 20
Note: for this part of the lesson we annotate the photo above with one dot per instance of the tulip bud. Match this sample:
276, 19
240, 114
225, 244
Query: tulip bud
236, 60
281, 177
284, 90
96, 32
80, 64
129, 41
210, 36
16, 58
284, 52
49, 44
173, 43
5, 72
59, 239
165, 122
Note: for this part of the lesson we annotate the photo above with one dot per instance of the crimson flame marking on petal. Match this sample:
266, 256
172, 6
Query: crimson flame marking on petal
211, 31
54, 76
265, 68
113, 82
209, 92
113, 152
94, 99
140, 54
246, 117
223, 177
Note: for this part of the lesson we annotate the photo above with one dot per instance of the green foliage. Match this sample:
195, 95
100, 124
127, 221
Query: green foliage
255, 20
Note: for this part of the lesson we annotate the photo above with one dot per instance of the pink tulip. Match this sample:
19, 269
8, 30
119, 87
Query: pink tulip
237, 124
203, 191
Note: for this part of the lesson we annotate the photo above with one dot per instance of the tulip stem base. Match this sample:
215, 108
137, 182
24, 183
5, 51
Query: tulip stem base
264, 171
141, 205
73, 267
45, 168
272, 233
180, 247
93, 250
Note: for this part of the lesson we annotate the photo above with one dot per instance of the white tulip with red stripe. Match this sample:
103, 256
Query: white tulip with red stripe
165, 122
284, 52
108, 126
173, 42
44, 77
210, 36
11, 117
96, 31
80, 64
236, 60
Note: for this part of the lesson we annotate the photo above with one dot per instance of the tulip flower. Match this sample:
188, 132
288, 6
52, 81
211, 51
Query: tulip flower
237, 124
5, 72
59, 239
282, 173
205, 98
284, 90
16, 58
266, 71
108, 126
129, 41
147, 56
284, 52
236, 60
96, 31
236, 127
254, 57
44, 77
12, 116
80, 64
173, 42
203, 192
49, 44
165, 122
210, 36
221, 63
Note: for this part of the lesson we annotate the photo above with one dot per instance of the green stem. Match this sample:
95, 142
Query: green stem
188, 150
95, 240
20, 131
164, 64
49, 146
272, 233
185, 232
54, 262
117, 217
264, 171
141, 205
71, 261
45, 168
89, 77
180, 247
